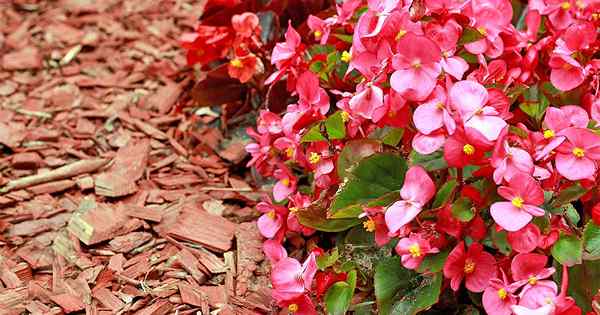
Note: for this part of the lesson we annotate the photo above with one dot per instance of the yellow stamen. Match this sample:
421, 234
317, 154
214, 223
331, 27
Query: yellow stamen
293, 308
289, 152
565, 5
345, 116
417, 64
314, 158
469, 266
517, 202
271, 215
440, 105
482, 30
414, 250
293, 209
346, 56
579, 152
236, 63
285, 182
502, 293
548, 134
532, 280
401, 34
318, 34
369, 225
468, 149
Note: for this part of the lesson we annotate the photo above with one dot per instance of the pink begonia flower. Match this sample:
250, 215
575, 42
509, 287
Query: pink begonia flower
311, 94
446, 36
466, 147
297, 202
376, 223
260, 150
576, 157
413, 249
508, 160
282, 52
433, 114
554, 304
530, 269
346, 10
566, 73
245, 24
417, 190
398, 112
595, 111
291, 279
475, 265
525, 195
320, 28
427, 144
580, 35
368, 103
321, 161
526, 239
555, 121
382, 10
489, 19
269, 122
274, 251
469, 98
560, 12
286, 184
272, 221
290, 146
417, 66
499, 296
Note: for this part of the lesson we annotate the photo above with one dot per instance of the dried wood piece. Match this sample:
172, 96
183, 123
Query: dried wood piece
159, 307
190, 264
128, 242
143, 213
67, 171
26, 58
101, 223
51, 187
13, 298
128, 166
26, 161
249, 254
209, 230
209, 260
68, 302
106, 298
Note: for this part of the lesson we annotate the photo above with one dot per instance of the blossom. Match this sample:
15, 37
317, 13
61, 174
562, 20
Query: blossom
531, 270
301, 305
470, 99
499, 296
417, 190
525, 195
286, 184
434, 114
245, 24
243, 68
287, 50
368, 103
320, 28
508, 160
417, 67
576, 157
310, 94
274, 251
206, 44
526, 239
475, 265
465, 147
413, 249
271, 222
291, 279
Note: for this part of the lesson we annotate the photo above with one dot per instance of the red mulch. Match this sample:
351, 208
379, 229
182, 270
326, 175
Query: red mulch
112, 200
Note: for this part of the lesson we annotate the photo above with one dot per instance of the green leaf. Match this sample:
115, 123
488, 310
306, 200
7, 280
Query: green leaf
569, 194
500, 241
315, 216
591, 241
313, 134
567, 250
583, 282
353, 152
431, 162
373, 178
469, 35
317, 66
400, 291
433, 263
339, 295
571, 213
343, 37
462, 209
327, 260
444, 193
334, 124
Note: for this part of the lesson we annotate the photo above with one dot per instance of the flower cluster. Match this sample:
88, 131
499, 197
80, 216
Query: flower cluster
462, 135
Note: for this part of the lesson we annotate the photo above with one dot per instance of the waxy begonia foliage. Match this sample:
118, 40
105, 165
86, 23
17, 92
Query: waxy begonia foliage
430, 156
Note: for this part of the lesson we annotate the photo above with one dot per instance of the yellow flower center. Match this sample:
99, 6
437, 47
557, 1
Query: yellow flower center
548, 134
401, 34
293, 209
236, 63
314, 158
414, 250
579, 152
482, 30
469, 149
346, 56
289, 152
285, 182
532, 280
502, 293
369, 225
440, 105
345, 116
416, 64
293, 308
565, 5
318, 34
517, 202
271, 214
469, 266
